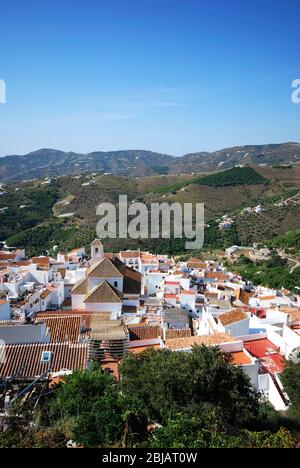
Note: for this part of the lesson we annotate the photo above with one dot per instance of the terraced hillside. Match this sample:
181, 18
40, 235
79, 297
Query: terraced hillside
61, 211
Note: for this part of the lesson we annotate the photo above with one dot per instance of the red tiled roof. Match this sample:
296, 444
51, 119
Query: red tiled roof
130, 254
240, 358
103, 292
196, 264
266, 298
217, 275
149, 258
64, 328
43, 261
206, 340
267, 353
105, 268
111, 255
80, 287
26, 358
232, 317
144, 332
7, 256
293, 312
181, 333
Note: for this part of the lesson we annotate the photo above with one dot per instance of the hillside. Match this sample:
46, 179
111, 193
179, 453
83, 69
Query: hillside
51, 163
233, 177
288, 241
139, 163
43, 213
286, 153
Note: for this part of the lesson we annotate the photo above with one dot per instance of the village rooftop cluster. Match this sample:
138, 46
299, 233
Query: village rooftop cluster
58, 315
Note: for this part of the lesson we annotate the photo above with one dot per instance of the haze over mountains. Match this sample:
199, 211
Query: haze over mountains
140, 163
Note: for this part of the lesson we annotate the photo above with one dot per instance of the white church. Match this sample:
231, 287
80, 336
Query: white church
109, 286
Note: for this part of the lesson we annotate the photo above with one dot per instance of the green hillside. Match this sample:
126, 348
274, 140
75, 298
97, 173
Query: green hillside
62, 212
235, 176
290, 240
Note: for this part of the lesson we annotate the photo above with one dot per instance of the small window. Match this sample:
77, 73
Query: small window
96, 250
116, 284
46, 357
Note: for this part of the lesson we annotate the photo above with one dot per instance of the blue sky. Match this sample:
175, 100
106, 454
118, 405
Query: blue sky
171, 76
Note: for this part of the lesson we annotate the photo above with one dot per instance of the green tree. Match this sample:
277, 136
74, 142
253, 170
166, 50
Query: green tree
91, 402
291, 381
169, 382
207, 431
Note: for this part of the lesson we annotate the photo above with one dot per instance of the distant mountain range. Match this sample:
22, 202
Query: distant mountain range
139, 163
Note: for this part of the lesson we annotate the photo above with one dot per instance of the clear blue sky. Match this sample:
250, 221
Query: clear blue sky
174, 76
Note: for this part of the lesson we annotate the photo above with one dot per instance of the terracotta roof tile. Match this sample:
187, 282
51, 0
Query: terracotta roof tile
181, 333
240, 358
209, 340
266, 298
42, 261
63, 328
103, 292
292, 312
144, 332
196, 264
232, 317
27, 358
217, 275
130, 254
81, 287
4, 256
105, 268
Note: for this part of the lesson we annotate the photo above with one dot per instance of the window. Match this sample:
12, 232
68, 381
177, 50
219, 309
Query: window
46, 357
116, 284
